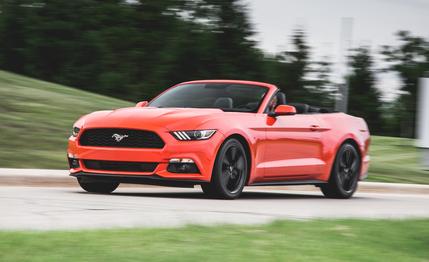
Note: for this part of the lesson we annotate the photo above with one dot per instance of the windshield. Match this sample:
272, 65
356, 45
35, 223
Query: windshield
228, 97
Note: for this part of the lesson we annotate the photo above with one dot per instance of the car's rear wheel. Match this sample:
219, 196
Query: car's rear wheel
101, 187
230, 171
345, 173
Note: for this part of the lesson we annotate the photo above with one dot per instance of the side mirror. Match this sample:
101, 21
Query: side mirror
142, 104
283, 110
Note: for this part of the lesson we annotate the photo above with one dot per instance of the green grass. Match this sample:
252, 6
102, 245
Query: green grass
396, 160
319, 240
36, 119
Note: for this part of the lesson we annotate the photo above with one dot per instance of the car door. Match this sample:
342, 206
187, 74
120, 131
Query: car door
293, 148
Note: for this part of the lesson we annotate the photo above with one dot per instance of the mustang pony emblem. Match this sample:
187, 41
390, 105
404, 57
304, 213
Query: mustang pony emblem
118, 137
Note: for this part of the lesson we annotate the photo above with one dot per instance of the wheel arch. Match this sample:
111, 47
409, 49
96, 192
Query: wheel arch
351, 141
354, 143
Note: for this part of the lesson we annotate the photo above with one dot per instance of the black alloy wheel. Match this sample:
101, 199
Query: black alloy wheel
230, 171
345, 173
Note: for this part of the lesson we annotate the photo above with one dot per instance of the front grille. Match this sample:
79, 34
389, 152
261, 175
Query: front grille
117, 137
120, 166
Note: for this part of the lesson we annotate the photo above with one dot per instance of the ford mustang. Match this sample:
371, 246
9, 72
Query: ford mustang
222, 135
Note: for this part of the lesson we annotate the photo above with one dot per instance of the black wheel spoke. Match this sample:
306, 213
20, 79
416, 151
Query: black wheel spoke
231, 184
343, 162
226, 177
351, 159
233, 154
349, 182
354, 166
341, 178
240, 163
348, 156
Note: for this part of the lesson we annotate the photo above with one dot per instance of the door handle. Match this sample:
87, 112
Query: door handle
314, 127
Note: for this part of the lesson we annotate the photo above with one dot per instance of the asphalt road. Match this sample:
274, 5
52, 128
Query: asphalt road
45, 208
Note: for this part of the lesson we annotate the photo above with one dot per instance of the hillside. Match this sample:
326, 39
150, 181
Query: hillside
36, 118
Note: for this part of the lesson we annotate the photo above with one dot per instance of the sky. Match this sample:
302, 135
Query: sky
370, 23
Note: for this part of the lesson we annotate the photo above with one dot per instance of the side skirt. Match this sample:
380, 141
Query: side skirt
289, 183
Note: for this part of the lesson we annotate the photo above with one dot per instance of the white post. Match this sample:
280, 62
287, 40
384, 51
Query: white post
342, 100
423, 120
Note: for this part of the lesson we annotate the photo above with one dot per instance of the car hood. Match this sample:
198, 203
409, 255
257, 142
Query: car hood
151, 117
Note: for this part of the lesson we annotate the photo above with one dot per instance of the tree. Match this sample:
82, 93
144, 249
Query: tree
410, 60
364, 97
212, 40
303, 80
135, 49
13, 40
294, 66
233, 52
320, 87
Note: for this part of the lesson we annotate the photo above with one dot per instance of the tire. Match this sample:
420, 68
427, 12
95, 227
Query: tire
208, 190
230, 171
101, 187
345, 173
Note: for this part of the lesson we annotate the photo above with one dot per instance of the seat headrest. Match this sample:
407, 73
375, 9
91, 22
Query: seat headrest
281, 98
224, 102
301, 108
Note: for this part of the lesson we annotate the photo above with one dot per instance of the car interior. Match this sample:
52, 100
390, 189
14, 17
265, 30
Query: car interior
279, 99
301, 108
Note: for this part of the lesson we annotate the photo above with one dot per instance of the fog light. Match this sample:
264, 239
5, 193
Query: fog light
73, 163
182, 165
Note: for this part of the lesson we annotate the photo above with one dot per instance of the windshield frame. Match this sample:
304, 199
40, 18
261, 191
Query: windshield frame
249, 84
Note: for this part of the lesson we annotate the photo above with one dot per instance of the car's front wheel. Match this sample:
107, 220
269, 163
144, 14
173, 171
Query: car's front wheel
230, 171
101, 187
345, 173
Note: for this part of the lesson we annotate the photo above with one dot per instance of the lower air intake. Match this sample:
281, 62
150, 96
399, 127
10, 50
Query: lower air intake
120, 166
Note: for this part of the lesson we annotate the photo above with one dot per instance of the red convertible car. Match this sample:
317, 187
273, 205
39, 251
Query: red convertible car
222, 135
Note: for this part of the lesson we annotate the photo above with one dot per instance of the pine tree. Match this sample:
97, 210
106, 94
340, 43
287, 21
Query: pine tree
294, 67
410, 60
13, 35
364, 97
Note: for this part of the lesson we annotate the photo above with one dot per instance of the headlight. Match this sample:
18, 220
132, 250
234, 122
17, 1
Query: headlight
193, 135
75, 131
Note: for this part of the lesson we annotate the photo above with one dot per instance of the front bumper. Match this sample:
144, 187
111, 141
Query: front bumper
202, 152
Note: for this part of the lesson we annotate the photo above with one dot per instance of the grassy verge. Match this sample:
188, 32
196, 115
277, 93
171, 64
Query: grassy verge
396, 160
320, 240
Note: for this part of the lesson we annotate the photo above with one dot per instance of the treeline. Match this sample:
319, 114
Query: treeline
135, 49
